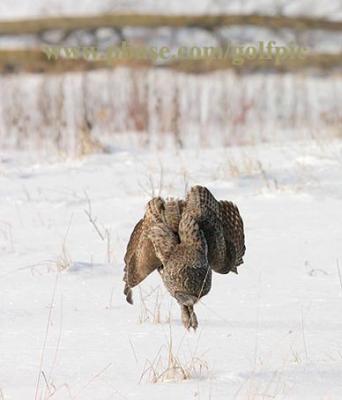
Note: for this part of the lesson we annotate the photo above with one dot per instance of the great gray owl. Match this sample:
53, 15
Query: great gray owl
185, 240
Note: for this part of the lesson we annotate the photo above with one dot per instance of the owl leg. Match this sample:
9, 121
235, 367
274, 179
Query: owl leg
189, 318
186, 319
193, 318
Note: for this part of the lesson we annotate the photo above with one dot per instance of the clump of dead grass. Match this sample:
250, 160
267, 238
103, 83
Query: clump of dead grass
169, 366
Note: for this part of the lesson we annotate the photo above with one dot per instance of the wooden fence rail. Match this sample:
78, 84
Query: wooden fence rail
38, 25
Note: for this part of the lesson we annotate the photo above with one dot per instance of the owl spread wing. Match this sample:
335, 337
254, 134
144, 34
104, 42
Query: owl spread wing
222, 226
141, 258
233, 231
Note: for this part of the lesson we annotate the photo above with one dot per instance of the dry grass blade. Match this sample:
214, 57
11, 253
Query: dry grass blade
339, 272
63, 260
151, 306
104, 233
92, 220
46, 336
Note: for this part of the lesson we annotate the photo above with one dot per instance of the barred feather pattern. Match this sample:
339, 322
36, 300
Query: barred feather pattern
222, 226
233, 229
141, 258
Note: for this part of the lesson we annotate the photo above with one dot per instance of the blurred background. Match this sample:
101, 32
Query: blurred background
76, 107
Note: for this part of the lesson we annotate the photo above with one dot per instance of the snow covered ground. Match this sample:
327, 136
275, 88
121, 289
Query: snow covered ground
273, 331
27, 8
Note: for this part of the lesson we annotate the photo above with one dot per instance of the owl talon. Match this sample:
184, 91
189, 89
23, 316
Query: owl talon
186, 317
189, 318
193, 321
129, 294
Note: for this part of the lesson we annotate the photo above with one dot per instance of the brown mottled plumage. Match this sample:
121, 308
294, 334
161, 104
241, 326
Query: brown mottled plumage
185, 241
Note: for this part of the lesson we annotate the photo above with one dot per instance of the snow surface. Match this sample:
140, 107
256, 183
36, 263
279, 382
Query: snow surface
27, 8
273, 331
